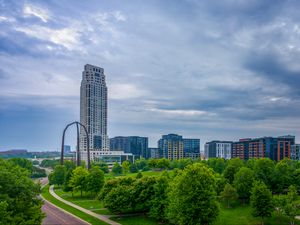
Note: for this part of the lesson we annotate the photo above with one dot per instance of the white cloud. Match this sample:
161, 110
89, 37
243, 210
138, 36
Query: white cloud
125, 91
31, 10
119, 16
6, 19
68, 37
177, 112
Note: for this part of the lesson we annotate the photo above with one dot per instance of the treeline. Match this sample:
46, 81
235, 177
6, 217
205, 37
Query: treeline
35, 172
189, 192
191, 195
19, 202
74, 179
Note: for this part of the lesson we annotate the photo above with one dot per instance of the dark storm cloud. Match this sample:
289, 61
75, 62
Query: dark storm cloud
269, 65
214, 69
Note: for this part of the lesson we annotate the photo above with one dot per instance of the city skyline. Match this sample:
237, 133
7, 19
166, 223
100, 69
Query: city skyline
219, 71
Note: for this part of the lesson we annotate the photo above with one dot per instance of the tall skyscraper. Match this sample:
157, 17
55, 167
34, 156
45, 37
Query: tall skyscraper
93, 109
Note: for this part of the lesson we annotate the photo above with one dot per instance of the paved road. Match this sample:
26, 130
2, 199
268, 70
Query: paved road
57, 217
101, 217
44, 181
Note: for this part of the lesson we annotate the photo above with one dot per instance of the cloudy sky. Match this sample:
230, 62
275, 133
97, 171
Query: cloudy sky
206, 69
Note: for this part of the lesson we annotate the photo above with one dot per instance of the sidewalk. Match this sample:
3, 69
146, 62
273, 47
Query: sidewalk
100, 217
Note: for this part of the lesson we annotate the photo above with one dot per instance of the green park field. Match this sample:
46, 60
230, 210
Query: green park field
238, 215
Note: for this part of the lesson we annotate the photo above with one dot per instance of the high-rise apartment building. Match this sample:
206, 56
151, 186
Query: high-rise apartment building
174, 146
136, 145
275, 148
93, 109
191, 148
218, 149
154, 153
295, 152
171, 146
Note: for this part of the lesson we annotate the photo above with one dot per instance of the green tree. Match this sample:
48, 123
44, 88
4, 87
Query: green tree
108, 186
174, 164
67, 186
78, 179
243, 182
95, 180
291, 208
139, 175
264, 170
58, 175
19, 202
133, 168
280, 202
192, 196
70, 165
296, 178
233, 166
38, 172
50, 163
23, 163
282, 176
217, 164
229, 194
251, 163
142, 164
160, 200
103, 166
35, 162
220, 183
119, 199
125, 166
163, 164
182, 163
5, 215
143, 192
261, 201
117, 169
152, 163
292, 194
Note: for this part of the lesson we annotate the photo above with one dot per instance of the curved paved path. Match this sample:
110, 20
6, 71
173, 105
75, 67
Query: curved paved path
56, 216
101, 217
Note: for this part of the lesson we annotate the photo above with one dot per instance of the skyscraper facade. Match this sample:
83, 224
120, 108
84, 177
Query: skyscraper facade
191, 148
136, 145
295, 152
218, 149
275, 148
93, 109
171, 146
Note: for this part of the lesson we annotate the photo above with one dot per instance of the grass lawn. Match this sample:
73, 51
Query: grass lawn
242, 216
82, 215
145, 173
86, 201
136, 220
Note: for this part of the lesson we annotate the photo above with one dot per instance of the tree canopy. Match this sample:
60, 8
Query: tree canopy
192, 196
19, 202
